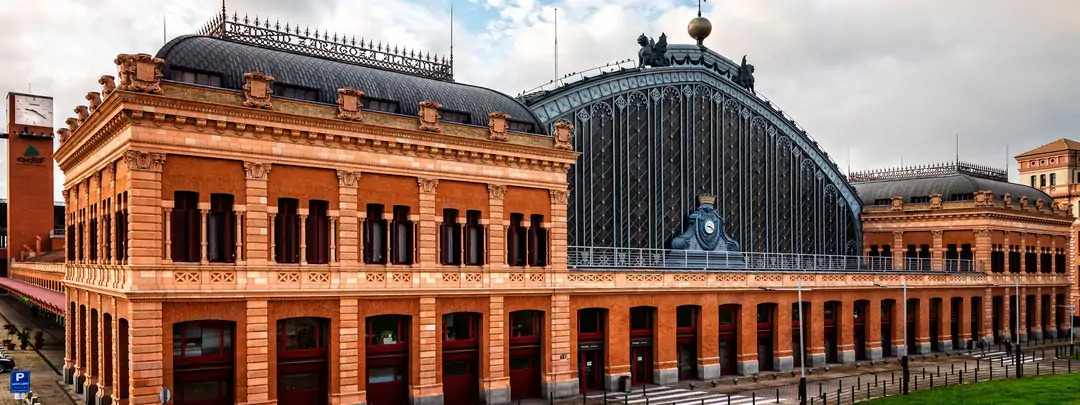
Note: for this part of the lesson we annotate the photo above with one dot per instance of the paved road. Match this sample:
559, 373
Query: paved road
44, 380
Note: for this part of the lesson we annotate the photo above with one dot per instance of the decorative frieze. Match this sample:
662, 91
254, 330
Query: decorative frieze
145, 161
498, 127
139, 73
429, 116
348, 104
256, 170
348, 178
257, 90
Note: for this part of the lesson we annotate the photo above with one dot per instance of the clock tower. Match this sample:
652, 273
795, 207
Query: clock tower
29, 173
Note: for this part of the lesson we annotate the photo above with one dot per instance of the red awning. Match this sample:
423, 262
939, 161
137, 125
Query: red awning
52, 301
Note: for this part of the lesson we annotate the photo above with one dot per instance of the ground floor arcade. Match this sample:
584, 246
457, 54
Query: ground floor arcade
495, 349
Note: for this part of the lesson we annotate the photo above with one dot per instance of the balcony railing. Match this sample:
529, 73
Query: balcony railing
594, 258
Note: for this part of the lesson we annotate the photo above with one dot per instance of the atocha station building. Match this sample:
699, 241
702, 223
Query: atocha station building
259, 215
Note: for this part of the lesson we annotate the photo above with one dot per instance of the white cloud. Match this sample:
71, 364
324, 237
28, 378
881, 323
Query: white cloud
883, 79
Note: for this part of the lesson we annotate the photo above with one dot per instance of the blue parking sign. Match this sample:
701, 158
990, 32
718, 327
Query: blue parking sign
20, 381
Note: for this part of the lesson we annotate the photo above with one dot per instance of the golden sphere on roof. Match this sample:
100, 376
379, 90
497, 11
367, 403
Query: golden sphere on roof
699, 29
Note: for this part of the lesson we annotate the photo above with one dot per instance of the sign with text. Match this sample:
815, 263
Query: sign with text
20, 381
31, 156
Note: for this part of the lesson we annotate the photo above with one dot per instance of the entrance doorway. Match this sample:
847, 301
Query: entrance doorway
729, 321
860, 329
525, 358
832, 336
887, 307
203, 362
590, 332
799, 325
686, 319
387, 365
461, 357
642, 322
302, 369
766, 314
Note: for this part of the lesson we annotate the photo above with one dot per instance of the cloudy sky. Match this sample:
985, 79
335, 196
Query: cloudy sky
879, 81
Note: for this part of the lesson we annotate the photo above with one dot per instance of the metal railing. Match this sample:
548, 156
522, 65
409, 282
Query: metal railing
586, 257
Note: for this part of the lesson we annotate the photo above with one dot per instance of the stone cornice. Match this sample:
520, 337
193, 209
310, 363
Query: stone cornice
982, 214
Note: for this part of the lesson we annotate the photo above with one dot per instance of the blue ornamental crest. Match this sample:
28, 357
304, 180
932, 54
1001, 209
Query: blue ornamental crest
705, 233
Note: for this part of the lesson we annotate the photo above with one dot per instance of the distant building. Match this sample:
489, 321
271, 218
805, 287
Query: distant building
1054, 168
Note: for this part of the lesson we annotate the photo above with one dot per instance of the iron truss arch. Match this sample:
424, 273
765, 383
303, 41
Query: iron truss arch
652, 140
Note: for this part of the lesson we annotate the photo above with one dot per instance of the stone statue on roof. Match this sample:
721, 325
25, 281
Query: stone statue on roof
745, 76
652, 53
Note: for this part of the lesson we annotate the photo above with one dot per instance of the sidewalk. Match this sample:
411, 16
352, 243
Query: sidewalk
46, 379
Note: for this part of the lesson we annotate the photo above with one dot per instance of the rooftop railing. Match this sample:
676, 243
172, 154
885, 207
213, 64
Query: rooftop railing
616, 259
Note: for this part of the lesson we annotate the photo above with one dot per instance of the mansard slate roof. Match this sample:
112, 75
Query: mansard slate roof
231, 60
947, 185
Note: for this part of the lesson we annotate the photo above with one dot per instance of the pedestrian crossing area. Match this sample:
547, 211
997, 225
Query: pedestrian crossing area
680, 396
1001, 356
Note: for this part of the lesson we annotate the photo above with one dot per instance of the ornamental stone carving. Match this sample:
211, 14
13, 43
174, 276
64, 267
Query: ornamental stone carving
897, 203
496, 191
427, 186
144, 161
72, 123
982, 233
64, 134
497, 126
984, 198
1023, 202
347, 178
429, 116
935, 201
108, 85
898, 235
139, 73
1008, 200
1039, 204
936, 233
95, 100
257, 90
564, 135
82, 113
558, 196
256, 170
348, 104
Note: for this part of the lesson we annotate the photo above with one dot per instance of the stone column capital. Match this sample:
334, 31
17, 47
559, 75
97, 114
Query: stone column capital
427, 186
144, 161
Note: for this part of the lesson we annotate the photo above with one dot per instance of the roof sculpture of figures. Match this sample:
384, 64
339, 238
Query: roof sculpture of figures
745, 76
652, 53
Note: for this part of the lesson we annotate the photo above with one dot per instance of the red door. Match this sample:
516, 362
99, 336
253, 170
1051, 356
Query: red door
212, 387
386, 381
591, 369
727, 354
687, 360
524, 373
641, 365
302, 383
461, 380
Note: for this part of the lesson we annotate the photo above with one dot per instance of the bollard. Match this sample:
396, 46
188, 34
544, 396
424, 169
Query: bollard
728, 399
853, 395
961, 377
884, 390
931, 381
753, 398
777, 397
867, 390
1053, 367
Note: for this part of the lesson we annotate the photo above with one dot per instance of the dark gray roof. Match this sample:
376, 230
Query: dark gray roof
947, 185
232, 59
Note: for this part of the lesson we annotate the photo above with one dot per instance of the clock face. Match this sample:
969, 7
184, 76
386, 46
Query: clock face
710, 227
32, 110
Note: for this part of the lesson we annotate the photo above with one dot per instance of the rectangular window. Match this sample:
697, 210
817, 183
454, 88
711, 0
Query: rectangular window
727, 316
454, 116
106, 230
883, 201
198, 339
287, 231
450, 235
1042, 180
317, 231
70, 242
374, 235
516, 251
519, 126
685, 317
382, 105
1047, 261
538, 241
460, 326
474, 239
401, 233
1014, 259
590, 320
296, 92
387, 330
920, 200
221, 229
1053, 179
1033, 181
205, 79
121, 227
641, 319
93, 232
524, 323
186, 227
302, 334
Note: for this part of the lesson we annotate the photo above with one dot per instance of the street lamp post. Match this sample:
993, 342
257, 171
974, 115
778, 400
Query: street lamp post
1071, 309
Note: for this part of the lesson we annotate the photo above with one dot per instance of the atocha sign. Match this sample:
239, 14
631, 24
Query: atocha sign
31, 157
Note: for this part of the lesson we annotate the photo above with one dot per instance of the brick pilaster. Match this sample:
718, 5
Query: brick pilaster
496, 226
349, 352
144, 207
898, 249
561, 351
784, 334
847, 332
922, 323
258, 352
348, 224
145, 338
988, 313
424, 382
816, 344
558, 229
257, 224
872, 325
945, 321
937, 250
495, 362
983, 246
428, 227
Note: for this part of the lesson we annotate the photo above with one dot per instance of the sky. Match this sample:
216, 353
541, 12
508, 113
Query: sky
876, 83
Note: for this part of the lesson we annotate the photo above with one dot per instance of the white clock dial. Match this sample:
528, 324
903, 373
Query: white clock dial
710, 227
33, 111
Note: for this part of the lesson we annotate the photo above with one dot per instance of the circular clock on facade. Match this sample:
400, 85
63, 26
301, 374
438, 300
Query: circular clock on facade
710, 227
33, 110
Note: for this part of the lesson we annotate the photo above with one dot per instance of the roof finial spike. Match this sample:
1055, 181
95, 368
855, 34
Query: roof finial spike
246, 21
277, 24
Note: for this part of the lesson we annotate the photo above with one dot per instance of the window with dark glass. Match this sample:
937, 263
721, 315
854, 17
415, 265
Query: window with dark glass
374, 235
317, 231
1042, 180
516, 235
474, 239
296, 92
590, 320
641, 319
302, 334
460, 326
520, 126
59, 218
1059, 261
525, 323
538, 241
765, 314
685, 317
121, 227
378, 104
387, 330
1047, 260
1031, 260
997, 259
70, 236
79, 236
106, 230
450, 236
951, 257
401, 235
202, 339
93, 232
1053, 179
221, 229
920, 200
1033, 180
287, 231
727, 316
187, 76
962, 197
883, 201
186, 227
454, 116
